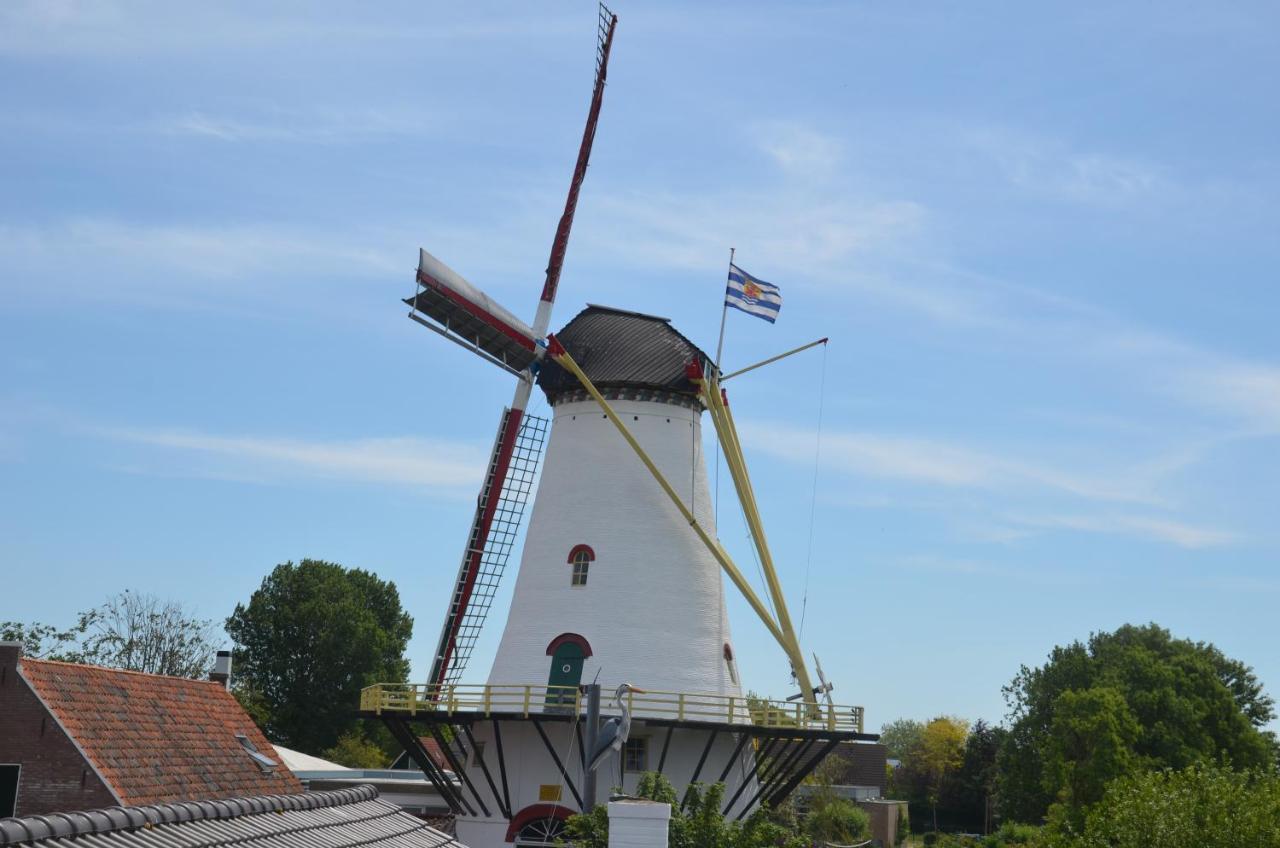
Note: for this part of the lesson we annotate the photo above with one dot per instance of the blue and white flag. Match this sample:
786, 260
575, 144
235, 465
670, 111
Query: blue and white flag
752, 296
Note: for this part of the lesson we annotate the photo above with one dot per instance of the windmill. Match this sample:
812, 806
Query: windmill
620, 577
447, 304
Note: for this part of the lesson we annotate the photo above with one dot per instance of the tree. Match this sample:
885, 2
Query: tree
46, 641
940, 754
355, 750
968, 800
899, 737
311, 637
1090, 744
143, 633
137, 632
1205, 806
1189, 702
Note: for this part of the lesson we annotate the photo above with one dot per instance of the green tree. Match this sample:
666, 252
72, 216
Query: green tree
1090, 744
1190, 704
47, 641
969, 798
1204, 806
310, 638
899, 737
355, 750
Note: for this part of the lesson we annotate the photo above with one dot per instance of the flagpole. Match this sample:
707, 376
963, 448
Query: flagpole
724, 313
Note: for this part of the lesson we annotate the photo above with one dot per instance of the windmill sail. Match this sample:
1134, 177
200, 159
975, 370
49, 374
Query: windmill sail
448, 304
508, 486
471, 317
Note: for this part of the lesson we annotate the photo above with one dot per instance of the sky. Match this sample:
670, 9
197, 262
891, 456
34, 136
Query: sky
1041, 238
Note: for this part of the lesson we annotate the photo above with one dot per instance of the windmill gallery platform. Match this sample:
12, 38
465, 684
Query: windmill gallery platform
620, 583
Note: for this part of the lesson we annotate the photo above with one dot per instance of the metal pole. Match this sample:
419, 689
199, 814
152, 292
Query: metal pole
724, 313
593, 730
773, 359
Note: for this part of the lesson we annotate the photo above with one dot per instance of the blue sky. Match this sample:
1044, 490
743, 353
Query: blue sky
1042, 241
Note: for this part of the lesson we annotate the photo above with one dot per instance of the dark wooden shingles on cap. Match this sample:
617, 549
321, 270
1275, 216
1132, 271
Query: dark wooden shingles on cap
618, 349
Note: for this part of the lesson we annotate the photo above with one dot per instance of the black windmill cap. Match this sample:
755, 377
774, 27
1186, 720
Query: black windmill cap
622, 350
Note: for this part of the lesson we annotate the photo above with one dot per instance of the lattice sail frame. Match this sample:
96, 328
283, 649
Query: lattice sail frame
478, 579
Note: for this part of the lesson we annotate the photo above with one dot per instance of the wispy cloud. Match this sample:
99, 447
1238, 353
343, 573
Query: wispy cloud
811, 236
323, 127
1028, 572
146, 27
174, 263
799, 149
450, 468
940, 463
1050, 167
1179, 533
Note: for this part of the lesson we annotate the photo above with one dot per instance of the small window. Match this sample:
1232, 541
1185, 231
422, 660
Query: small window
580, 558
265, 763
9, 775
635, 756
477, 754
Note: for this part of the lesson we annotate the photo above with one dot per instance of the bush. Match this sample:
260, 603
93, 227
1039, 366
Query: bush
1201, 806
837, 820
1011, 833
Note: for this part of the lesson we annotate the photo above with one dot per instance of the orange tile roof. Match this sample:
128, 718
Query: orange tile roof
158, 739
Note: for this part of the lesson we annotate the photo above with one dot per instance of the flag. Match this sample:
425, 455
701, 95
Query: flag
752, 296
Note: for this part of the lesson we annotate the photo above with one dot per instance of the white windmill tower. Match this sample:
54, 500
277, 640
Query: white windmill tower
620, 576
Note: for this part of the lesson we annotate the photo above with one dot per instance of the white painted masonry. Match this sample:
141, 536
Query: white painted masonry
653, 608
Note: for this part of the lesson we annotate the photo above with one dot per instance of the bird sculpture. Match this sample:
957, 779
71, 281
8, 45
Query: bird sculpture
615, 731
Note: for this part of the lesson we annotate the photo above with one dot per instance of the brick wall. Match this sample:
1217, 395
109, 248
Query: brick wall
861, 764
55, 776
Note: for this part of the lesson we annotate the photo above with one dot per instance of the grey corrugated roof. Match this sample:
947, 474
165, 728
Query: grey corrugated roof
338, 819
621, 349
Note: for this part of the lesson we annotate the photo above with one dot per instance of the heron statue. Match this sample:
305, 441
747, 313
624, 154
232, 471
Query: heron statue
615, 731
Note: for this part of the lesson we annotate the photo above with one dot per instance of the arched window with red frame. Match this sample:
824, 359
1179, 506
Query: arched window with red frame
580, 558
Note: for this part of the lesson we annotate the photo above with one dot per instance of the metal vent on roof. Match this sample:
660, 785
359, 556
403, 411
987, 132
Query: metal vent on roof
264, 762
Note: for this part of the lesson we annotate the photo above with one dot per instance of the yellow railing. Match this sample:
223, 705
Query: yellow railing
413, 698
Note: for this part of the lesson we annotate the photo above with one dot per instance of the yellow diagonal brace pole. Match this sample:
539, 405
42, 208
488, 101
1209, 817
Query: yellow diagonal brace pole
722, 418
561, 357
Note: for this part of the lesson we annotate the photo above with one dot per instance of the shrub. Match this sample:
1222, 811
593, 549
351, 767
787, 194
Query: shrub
837, 820
1201, 806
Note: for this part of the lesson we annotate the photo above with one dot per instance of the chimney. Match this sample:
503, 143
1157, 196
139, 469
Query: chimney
10, 658
637, 823
222, 669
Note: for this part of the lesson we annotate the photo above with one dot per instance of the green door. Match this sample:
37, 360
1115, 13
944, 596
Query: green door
566, 670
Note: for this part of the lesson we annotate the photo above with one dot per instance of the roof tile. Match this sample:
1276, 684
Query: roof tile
158, 739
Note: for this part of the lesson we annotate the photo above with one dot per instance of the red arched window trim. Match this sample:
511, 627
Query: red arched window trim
728, 653
567, 638
533, 812
577, 549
